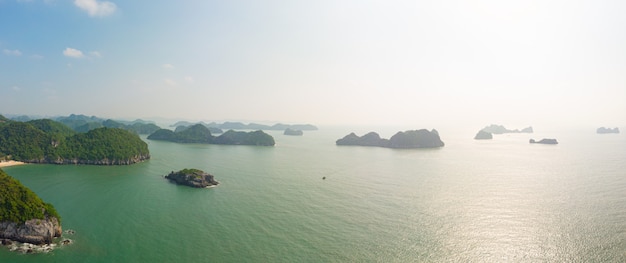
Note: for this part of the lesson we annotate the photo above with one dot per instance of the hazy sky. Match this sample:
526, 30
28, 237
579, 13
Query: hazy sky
322, 62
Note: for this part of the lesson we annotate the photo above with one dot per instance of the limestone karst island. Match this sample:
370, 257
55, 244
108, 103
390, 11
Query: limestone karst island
401, 140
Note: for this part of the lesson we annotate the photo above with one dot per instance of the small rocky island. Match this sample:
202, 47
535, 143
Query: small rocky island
544, 141
483, 135
192, 177
603, 130
401, 140
24, 217
293, 132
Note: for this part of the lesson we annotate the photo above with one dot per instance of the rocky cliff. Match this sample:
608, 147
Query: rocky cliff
34, 231
105, 161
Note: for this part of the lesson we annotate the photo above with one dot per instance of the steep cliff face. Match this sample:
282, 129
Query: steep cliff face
105, 161
34, 231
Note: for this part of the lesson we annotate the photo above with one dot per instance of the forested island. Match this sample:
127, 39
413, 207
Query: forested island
24, 217
48, 141
408, 139
199, 133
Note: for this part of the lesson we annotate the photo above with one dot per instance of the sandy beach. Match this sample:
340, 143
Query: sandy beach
10, 163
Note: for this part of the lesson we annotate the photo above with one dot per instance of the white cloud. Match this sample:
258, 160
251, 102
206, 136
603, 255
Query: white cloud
9, 52
73, 53
16, 88
189, 79
171, 82
167, 66
95, 8
95, 54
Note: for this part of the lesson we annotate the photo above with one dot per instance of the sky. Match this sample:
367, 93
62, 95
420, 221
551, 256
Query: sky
362, 62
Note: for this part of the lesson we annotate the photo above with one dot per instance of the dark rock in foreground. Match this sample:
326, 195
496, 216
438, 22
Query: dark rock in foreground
603, 130
483, 135
544, 141
293, 132
192, 177
401, 140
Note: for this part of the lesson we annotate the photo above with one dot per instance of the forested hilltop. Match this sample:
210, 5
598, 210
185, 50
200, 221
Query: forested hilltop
200, 134
48, 141
19, 204
83, 123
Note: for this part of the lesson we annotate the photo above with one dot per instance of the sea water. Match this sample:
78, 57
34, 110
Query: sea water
471, 201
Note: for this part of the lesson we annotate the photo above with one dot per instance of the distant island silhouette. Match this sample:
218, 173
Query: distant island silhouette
199, 133
544, 141
483, 135
249, 126
603, 130
401, 140
499, 129
293, 132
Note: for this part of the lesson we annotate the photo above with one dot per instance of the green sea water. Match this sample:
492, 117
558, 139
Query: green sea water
471, 201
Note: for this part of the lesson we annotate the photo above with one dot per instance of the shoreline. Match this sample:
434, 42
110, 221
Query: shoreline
10, 163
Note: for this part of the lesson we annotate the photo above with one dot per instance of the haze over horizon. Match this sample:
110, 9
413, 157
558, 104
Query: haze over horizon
320, 62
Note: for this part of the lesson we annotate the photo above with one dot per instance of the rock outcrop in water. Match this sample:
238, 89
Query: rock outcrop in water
544, 141
405, 140
603, 130
192, 177
24, 217
483, 135
34, 231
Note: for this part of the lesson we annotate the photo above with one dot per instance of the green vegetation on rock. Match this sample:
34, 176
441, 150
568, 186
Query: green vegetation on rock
47, 141
19, 204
